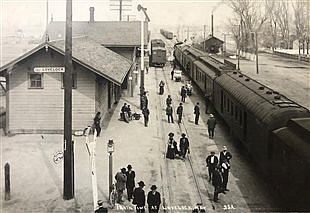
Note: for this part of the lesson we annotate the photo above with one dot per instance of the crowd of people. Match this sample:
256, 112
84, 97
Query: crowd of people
126, 180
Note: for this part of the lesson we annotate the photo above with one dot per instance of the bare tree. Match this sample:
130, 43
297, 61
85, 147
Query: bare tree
301, 10
251, 18
282, 17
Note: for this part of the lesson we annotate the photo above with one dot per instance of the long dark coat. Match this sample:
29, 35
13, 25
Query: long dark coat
130, 179
228, 156
153, 201
139, 197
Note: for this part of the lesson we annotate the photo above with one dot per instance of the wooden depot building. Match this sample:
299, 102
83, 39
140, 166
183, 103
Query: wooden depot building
34, 85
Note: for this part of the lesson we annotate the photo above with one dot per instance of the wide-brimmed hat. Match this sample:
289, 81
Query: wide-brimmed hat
141, 183
183, 135
129, 167
224, 148
171, 134
212, 152
211, 115
153, 187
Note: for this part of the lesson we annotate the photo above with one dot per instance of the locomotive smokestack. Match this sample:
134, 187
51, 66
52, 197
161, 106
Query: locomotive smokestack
212, 24
91, 14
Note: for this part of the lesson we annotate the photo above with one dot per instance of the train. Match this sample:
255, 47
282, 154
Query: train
158, 53
274, 130
167, 34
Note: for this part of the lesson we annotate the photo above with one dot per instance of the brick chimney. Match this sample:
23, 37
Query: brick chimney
91, 14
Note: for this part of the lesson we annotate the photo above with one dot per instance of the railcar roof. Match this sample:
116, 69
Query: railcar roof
205, 69
267, 105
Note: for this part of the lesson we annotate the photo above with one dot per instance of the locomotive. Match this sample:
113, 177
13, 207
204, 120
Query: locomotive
158, 53
274, 129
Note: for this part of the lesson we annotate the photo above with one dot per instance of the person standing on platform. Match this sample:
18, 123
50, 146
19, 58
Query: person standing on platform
217, 182
172, 74
184, 146
146, 113
168, 100
153, 199
180, 112
139, 197
97, 123
170, 147
183, 94
169, 113
207, 97
225, 171
161, 87
197, 113
130, 183
224, 154
144, 101
120, 185
212, 162
211, 125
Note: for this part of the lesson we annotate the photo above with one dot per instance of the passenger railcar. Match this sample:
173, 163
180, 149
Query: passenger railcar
158, 53
274, 129
167, 34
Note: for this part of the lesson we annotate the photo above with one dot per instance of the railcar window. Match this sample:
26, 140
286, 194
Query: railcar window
232, 109
240, 118
222, 101
236, 113
228, 105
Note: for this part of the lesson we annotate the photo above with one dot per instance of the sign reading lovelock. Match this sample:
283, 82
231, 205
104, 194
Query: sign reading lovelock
49, 69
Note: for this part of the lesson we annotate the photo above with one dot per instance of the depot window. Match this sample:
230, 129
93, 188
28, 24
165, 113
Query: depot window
35, 80
74, 80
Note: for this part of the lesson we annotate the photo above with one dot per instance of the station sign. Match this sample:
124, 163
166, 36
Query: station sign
49, 69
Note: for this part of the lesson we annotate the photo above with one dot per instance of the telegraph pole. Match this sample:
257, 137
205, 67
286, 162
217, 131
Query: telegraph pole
238, 64
121, 7
68, 192
256, 51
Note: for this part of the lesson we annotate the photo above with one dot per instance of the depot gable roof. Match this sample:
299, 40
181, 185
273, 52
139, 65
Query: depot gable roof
89, 54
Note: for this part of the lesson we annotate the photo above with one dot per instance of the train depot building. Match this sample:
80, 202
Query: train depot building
35, 93
211, 44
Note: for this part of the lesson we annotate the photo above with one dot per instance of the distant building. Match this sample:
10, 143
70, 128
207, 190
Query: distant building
34, 84
211, 44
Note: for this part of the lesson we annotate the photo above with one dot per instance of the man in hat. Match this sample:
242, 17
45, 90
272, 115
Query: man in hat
212, 162
180, 112
146, 113
224, 154
217, 182
120, 185
169, 113
101, 208
139, 197
183, 94
211, 125
184, 145
197, 113
169, 100
153, 199
130, 183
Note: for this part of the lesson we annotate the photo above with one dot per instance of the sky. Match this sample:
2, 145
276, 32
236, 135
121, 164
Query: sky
30, 15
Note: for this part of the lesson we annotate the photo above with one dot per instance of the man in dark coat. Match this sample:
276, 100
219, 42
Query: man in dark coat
130, 183
225, 155
144, 101
120, 185
217, 182
161, 87
225, 171
183, 94
207, 102
184, 145
212, 162
169, 113
153, 199
168, 100
197, 113
139, 197
172, 73
97, 123
146, 113
180, 112
211, 126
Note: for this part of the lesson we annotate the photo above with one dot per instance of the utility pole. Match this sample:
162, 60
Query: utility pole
46, 33
238, 44
121, 7
204, 31
224, 48
68, 192
256, 51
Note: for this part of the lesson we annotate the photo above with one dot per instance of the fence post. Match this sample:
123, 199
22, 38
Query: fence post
7, 182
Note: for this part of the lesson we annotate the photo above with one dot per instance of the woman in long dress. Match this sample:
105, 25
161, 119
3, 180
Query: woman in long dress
170, 149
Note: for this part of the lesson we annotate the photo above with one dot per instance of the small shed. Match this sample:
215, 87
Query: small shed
211, 44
